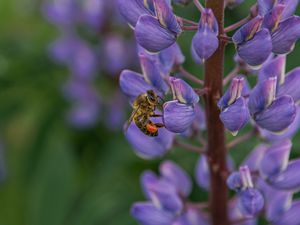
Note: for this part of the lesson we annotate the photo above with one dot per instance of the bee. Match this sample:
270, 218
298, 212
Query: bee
144, 107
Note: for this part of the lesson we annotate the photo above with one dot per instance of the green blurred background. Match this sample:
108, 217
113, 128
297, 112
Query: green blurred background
55, 174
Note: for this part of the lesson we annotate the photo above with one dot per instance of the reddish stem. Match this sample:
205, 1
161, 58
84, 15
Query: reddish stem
216, 148
237, 24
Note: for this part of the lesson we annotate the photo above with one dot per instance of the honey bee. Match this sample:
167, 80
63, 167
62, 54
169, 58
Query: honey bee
144, 107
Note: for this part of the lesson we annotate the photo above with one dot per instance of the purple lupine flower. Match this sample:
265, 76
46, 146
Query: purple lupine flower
275, 159
287, 133
273, 68
179, 114
291, 216
192, 216
253, 44
269, 112
94, 12
254, 158
149, 147
290, 85
165, 193
276, 201
250, 200
205, 41
235, 113
61, 12
264, 6
156, 27
288, 179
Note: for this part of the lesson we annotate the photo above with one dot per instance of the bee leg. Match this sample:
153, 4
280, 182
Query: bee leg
156, 115
159, 125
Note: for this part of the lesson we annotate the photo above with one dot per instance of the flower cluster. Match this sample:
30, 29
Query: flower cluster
79, 24
266, 179
167, 201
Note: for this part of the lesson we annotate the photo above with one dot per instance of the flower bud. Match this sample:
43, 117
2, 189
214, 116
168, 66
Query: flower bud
178, 117
183, 92
254, 158
205, 41
148, 178
276, 159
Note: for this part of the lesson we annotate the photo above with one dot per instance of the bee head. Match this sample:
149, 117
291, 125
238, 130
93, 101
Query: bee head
151, 97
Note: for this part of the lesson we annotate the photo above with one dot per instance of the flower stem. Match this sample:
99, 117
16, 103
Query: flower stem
198, 5
190, 76
189, 147
237, 24
231, 75
241, 139
216, 148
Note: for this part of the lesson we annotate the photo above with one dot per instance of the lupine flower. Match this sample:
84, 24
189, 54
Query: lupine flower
290, 87
94, 12
235, 113
271, 113
250, 200
164, 194
291, 216
156, 27
205, 41
179, 114
264, 6
253, 44
275, 159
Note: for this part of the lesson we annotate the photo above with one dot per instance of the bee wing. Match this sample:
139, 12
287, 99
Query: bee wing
131, 119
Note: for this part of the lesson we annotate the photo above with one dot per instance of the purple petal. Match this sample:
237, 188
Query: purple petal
288, 133
254, 158
147, 214
233, 93
177, 176
148, 178
288, 180
164, 196
291, 216
273, 17
183, 92
265, 6
208, 21
191, 217
152, 36
236, 116
273, 68
234, 181
202, 173
205, 43
247, 31
291, 85
149, 147
285, 36
278, 204
171, 57
256, 51
178, 117
152, 73
165, 16
278, 116
276, 159
262, 95
290, 7
133, 84
251, 202
131, 10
